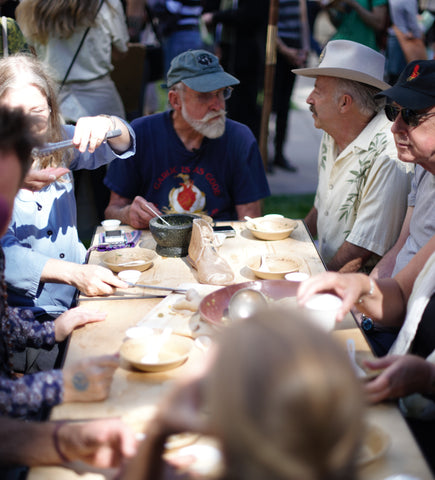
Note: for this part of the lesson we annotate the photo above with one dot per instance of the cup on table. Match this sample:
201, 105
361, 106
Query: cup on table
296, 276
111, 224
322, 308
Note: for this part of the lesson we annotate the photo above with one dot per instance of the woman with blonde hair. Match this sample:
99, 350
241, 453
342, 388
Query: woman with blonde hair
44, 256
55, 29
280, 397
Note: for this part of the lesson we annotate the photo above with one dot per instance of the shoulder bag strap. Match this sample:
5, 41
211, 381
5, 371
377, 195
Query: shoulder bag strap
82, 41
5, 36
152, 20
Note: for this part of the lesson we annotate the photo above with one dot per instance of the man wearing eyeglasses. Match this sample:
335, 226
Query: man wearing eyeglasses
411, 106
192, 158
360, 200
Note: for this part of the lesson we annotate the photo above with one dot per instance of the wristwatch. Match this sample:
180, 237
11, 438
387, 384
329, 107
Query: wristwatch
367, 324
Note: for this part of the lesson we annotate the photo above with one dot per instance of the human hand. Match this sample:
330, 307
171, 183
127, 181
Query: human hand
90, 132
89, 380
207, 19
138, 215
403, 375
73, 318
349, 287
101, 443
93, 280
35, 180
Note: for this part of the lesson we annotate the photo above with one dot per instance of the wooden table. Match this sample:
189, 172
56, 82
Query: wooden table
134, 395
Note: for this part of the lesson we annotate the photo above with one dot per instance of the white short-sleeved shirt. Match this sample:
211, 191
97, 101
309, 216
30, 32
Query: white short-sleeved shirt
362, 193
422, 225
94, 59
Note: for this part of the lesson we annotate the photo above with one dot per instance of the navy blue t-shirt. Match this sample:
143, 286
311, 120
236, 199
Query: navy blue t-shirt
212, 180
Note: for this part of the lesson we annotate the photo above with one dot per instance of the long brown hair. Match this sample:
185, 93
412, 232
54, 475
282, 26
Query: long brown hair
18, 70
40, 19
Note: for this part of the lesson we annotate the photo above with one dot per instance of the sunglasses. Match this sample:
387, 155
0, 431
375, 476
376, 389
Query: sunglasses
410, 117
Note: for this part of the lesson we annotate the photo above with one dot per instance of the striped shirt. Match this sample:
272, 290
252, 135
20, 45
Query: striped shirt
289, 22
188, 11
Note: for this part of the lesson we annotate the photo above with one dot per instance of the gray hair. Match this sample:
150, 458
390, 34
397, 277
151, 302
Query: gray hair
362, 94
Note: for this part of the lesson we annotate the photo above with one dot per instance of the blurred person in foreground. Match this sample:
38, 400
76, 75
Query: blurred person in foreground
302, 422
360, 200
33, 395
190, 159
101, 443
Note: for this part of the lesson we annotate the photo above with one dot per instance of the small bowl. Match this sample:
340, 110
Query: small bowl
296, 276
111, 224
129, 259
130, 276
271, 228
174, 352
276, 266
172, 240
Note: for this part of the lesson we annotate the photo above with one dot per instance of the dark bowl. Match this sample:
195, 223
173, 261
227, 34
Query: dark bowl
172, 240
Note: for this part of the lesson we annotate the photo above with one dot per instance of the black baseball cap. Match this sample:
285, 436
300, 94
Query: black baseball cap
415, 88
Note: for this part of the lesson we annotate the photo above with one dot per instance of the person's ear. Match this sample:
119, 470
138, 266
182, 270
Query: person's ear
174, 99
345, 103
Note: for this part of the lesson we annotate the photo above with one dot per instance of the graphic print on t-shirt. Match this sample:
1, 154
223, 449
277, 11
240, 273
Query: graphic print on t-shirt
186, 197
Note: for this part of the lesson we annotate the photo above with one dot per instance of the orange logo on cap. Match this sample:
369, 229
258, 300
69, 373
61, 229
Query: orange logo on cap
415, 73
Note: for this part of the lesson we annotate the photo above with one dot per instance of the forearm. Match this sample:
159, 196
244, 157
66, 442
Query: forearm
122, 143
27, 443
383, 301
120, 212
311, 221
349, 258
252, 209
59, 271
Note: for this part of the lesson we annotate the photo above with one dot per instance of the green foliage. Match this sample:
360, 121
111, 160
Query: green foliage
291, 206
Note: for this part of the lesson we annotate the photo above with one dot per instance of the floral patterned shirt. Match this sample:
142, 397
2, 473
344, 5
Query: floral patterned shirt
18, 329
362, 192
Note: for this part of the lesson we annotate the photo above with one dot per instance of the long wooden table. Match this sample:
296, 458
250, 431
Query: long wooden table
135, 395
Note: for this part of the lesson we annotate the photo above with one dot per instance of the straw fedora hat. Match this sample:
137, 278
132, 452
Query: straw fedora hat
349, 60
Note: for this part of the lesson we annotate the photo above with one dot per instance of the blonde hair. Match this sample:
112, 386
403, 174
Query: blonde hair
284, 401
18, 70
40, 19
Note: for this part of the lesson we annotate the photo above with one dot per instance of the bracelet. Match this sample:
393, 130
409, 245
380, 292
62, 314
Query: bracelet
56, 443
370, 292
111, 119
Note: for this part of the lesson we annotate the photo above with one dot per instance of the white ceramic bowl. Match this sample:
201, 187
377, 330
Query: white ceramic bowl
129, 259
322, 309
271, 228
173, 353
110, 224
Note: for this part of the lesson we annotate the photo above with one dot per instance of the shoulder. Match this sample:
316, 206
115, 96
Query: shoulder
157, 120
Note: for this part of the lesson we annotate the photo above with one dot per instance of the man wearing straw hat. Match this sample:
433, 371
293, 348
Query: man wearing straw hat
361, 196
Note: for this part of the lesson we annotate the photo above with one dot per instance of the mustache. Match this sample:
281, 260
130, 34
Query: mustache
312, 109
212, 115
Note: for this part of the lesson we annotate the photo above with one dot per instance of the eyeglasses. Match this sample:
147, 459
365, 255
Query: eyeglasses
410, 117
207, 97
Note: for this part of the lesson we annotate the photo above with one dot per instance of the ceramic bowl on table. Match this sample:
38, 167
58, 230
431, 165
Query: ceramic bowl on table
271, 228
173, 239
273, 267
173, 353
129, 259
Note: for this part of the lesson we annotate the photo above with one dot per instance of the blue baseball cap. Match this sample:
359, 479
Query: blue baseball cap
199, 70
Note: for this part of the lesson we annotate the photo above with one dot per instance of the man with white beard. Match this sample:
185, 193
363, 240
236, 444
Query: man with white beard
190, 159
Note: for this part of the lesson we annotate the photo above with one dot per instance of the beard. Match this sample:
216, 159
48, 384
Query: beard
214, 129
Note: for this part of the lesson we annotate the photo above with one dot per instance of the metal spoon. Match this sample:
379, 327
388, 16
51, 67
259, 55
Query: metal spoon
151, 209
244, 303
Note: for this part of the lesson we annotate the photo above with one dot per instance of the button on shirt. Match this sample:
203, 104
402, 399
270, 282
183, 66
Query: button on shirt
362, 192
